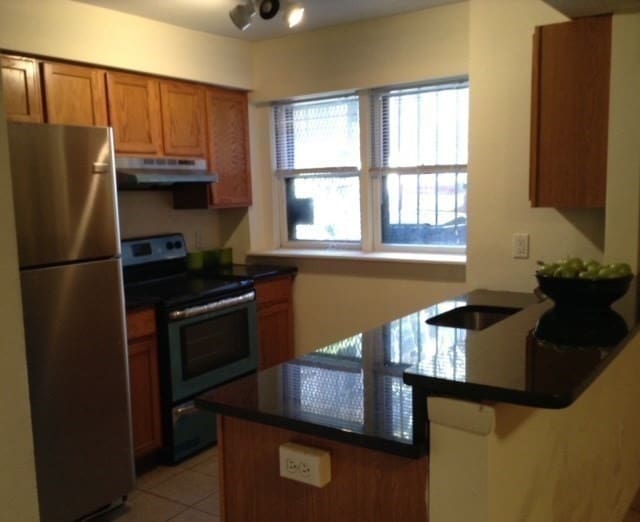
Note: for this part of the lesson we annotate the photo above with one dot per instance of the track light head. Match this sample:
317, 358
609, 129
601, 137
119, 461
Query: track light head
269, 8
241, 15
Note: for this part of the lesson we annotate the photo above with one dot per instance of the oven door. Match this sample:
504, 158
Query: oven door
211, 343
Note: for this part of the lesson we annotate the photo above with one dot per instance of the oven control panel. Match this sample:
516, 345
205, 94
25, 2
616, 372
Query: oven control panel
152, 249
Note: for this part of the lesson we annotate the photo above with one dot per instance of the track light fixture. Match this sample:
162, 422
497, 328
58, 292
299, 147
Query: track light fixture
242, 14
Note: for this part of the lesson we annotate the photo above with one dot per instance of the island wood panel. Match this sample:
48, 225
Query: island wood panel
183, 119
570, 113
21, 89
144, 382
134, 113
275, 320
365, 485
74, 95
228, 147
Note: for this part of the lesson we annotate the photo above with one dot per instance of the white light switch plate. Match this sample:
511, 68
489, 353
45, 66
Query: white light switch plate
520, 245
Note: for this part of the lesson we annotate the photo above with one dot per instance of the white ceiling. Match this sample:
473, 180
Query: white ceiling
212, 16
578, 8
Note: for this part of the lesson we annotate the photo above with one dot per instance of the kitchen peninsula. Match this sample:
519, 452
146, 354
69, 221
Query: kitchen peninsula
367, 400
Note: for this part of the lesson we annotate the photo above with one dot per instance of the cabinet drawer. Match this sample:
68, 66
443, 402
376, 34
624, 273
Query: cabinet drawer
141, 323
273, 291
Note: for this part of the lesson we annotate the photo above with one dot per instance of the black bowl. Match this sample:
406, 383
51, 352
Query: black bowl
583, 292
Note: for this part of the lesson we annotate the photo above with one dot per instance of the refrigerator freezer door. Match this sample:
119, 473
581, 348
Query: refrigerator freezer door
64, 193
79, 387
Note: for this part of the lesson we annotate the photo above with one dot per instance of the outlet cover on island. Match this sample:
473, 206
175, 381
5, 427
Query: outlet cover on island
305, 464
520, 245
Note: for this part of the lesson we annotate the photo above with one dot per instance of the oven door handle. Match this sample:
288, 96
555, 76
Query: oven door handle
186, 410
214, 306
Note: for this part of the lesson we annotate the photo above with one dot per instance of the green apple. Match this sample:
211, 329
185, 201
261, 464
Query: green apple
620, 269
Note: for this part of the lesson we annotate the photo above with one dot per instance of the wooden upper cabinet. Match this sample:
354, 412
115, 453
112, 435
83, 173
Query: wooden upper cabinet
74, 95
228, 147
134, 112
183, 119
570, 113
21, 89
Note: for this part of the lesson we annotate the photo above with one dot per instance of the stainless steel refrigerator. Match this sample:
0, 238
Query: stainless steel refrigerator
69, 252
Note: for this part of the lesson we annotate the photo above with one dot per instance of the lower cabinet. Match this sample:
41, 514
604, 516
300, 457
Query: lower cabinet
275, 320
143, 381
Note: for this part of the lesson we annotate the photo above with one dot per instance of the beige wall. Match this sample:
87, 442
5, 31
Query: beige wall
581, 463
80, 32
500, 43
506, 463
18, 496
623, 168
74, 31
491, 40
334, 299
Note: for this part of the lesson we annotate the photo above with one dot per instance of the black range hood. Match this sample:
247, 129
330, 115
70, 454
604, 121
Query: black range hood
133, 173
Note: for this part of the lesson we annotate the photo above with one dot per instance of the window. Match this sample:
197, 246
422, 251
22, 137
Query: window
417, 161
420, 152
318, 158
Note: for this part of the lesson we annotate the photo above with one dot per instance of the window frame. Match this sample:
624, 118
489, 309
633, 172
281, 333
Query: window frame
370, 179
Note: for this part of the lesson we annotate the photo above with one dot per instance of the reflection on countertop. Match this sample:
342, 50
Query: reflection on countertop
370, 389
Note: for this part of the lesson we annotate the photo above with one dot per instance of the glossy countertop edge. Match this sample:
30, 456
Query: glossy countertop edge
414, 450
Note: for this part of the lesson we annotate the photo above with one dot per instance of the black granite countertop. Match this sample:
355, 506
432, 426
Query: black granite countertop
134, 300
370, 389
541, 356
254, 272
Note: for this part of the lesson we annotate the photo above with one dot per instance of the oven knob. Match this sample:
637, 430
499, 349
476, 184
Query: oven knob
169, 245
177, 244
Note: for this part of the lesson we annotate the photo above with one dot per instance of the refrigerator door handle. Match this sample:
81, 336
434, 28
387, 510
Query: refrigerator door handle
100, 167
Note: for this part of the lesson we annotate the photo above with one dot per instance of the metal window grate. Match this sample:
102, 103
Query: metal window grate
419, 147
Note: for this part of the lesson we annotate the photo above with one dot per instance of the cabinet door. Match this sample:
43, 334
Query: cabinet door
183, 127
228, 147
21, 89
570, 113
144, 381
275, 320
134, 113
145, 398
74, 95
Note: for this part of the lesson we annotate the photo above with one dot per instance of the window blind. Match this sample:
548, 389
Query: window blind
318, 137
420, 130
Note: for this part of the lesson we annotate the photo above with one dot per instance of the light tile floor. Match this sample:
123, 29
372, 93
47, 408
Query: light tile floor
187, 492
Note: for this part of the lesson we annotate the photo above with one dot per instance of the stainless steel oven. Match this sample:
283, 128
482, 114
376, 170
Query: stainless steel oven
208, 344
207, 334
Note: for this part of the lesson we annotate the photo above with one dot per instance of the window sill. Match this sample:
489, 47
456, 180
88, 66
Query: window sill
356, 255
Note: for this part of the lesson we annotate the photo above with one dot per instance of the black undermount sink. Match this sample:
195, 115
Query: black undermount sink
472, 317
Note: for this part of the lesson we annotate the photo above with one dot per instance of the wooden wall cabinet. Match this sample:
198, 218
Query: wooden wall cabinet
183, 119
21, 89
274, 299
570, 113
134, 112
144, 381
228, 147
74, 95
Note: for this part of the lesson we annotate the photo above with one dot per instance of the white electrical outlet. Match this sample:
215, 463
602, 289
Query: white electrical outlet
305, 464
520, 245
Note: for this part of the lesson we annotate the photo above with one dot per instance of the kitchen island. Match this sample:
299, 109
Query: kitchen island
412, 399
